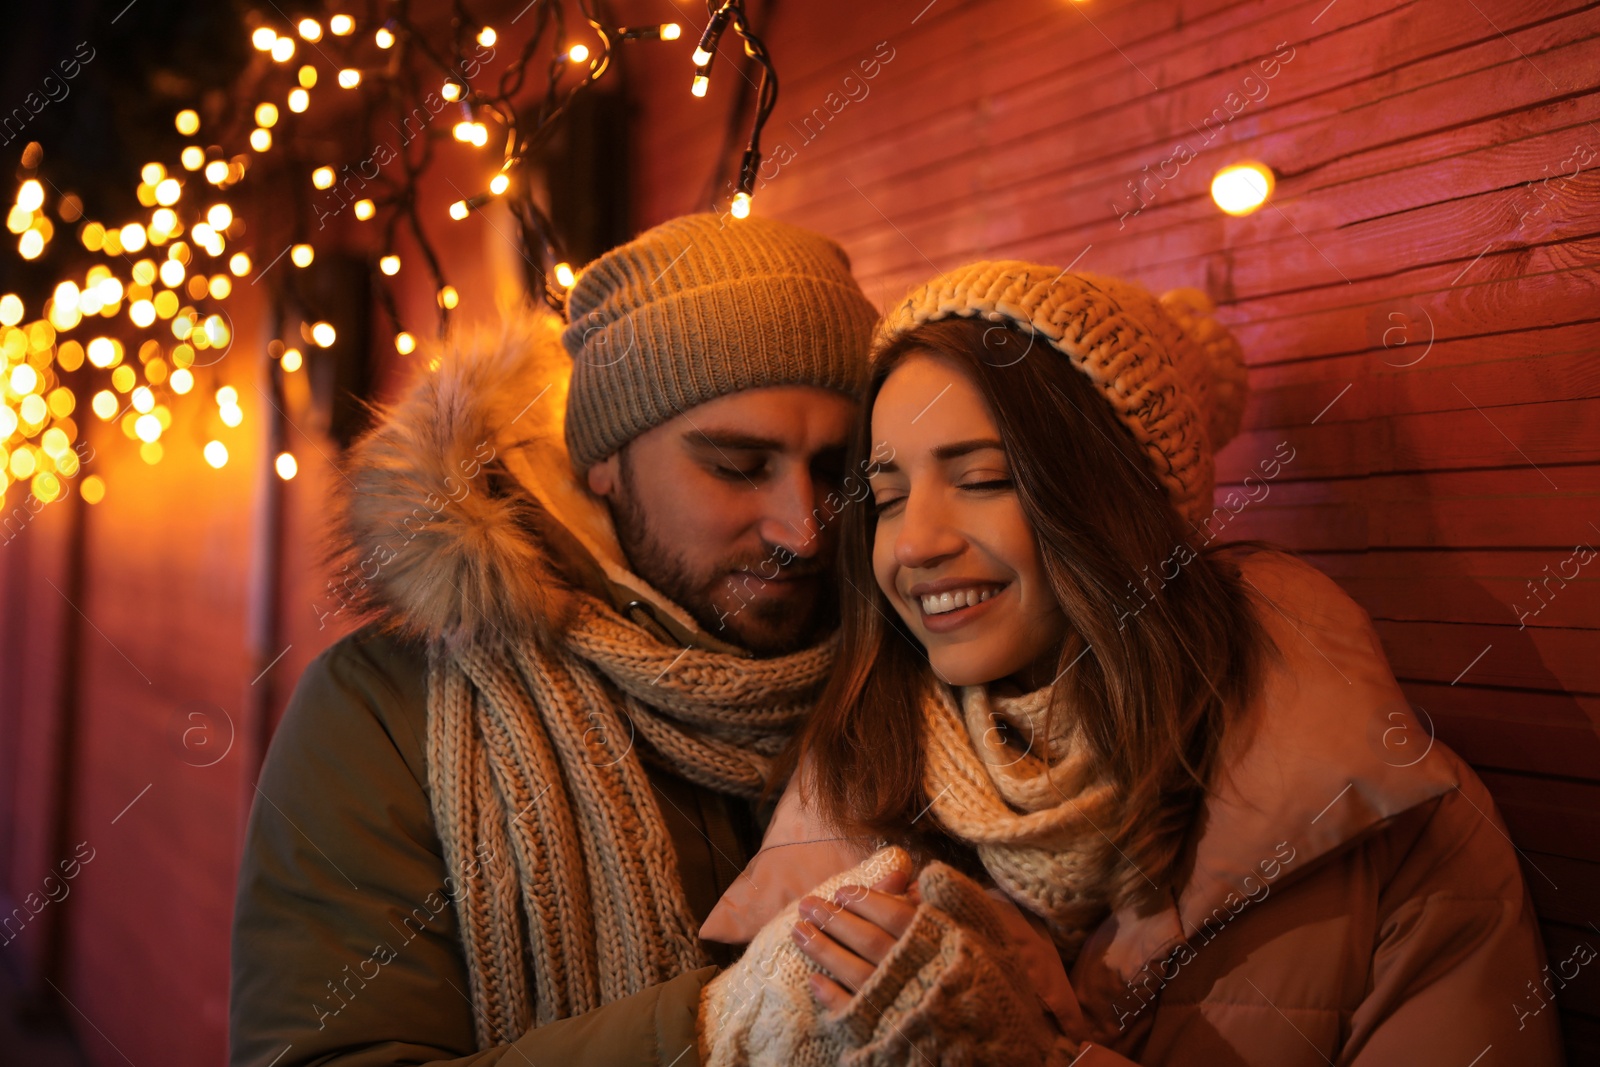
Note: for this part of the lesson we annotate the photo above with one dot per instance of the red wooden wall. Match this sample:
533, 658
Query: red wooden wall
1420, 304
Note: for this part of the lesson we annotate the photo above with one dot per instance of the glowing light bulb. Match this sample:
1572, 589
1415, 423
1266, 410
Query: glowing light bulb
462, 131
671, 31
299, 100
404, 343
220, 216
266, 114
564, 275
448, 297
1241, 188
578, 53
324, 334
349, 78
307, 77
147, 427
389, 265
451, 91
301, 255
264, 38
30, 245
701, 57
285, 465
487, 37
239, 264
216, 454
499, 184
10, 309
132, 237
227, 397
260, 140
384, 38
167, 192
291, 360
322, 177
182, 380
480, 134
342, 25
283, 49
310, 29
365, 209
105, 404
740, 208
459, 210
217, 170
701, 84
193, 157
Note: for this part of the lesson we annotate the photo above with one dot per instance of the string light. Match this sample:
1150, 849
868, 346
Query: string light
448, 297
1241, 188
283, 49
342, 25
216, 454
301, 255
564, 275
460, 210
404, 343
365, 209
349, 78
578, 53
310, 29
290, 361
217, 171
264, 38
285, 465
383, 37
239, 264
487, 37
389, 265
324, 335
499, 183
266, 114
193, 157
322, 177
299, 100
220, 216
307, 77
451, 91
260, 140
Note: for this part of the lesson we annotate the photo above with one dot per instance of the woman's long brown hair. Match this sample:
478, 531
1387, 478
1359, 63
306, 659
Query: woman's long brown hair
1169, 662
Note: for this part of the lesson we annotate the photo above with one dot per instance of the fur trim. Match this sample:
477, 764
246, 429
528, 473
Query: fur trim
436, 538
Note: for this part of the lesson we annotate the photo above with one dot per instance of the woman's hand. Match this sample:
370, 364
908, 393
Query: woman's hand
851, 935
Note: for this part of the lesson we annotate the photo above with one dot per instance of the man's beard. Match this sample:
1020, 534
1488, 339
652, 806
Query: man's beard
765, 626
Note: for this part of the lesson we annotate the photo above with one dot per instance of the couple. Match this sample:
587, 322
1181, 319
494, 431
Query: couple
1051, 785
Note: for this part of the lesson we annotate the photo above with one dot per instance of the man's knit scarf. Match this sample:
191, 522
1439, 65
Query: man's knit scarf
566, 881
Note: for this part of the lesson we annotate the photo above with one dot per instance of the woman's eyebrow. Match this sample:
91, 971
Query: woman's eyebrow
949, 451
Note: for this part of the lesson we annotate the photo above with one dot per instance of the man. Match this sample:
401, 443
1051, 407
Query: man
491, 823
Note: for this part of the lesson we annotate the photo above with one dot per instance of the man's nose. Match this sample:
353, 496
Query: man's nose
793, 516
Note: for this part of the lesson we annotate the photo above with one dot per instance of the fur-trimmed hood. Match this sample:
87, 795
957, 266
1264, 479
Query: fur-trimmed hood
463, 516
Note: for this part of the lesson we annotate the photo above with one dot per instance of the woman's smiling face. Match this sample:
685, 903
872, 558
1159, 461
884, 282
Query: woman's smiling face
953, 551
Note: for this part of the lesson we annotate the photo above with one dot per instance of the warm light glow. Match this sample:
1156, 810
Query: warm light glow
220, 216
142, 399
1241, 188
701, 84
227, 397
286, 466
342, 25
701, 57
216, 453
167, 192
487, 37
31, 196
448, 297
217, 170
499, 184
172, 274
310, 29
564, 275
142, 312
451, 91
299, 100
266, 114
219, 287
188, 120
132, 237
105, 404
150, 172
239, 264
365, 209
24, 379
671, 31
740, 208
349, 78
104, 352
182, 380
301, 255
260, 140
578, 53
11, 309
404, 343
462, 131
264, 38
291, 360
147, 427
307, 76
384, 38
30, 245
232, 415
324, 334
283, 49
322, 177
389, 265
459, 210
193, 157
92, 489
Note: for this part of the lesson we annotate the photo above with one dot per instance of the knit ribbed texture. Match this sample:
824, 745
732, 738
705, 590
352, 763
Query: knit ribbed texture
571, 896
700, 307
1172, 373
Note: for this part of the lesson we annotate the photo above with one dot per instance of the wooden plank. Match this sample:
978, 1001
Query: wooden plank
1486, 587
1570, 894
1550, 815
1536, 658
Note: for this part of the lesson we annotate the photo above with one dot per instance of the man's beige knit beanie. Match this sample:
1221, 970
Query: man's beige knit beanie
699, 307
1172, 373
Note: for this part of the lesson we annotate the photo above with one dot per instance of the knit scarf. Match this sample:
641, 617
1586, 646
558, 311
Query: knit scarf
1015, 783
565, 879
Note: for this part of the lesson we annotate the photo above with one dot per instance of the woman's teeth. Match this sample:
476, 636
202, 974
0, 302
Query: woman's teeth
939, 603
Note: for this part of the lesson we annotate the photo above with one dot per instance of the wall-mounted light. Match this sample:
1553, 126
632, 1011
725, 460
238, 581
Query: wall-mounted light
1241, 188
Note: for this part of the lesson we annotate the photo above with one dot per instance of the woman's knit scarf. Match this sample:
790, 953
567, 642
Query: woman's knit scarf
1011, 778
566, 881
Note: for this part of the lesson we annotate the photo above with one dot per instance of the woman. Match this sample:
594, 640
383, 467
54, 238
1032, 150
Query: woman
1187, 763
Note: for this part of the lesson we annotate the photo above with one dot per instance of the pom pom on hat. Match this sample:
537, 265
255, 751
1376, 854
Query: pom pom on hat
1171, 372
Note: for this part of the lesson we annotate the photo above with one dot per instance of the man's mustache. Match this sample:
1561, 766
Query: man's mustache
767, 567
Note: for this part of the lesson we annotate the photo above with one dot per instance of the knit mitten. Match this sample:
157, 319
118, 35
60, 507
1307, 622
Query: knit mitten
945, 995
761, 1009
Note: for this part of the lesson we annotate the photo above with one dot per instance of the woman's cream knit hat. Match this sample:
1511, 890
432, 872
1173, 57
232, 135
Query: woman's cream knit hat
1172, 373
